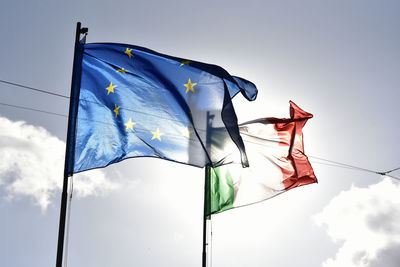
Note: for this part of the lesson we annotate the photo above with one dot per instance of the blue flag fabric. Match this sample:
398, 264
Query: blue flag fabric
134, 102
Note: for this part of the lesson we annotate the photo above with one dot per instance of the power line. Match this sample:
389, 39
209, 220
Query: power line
35, 89
93, 121
393, 170
330, 162
391, 176
90, 101
33, 109
348, 166
332, 165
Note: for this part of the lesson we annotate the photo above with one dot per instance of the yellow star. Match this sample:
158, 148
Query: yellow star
128, 52
157, 134
186, 132
116, 110
189, 86
129, 124
187, 62
110, 88
121, 70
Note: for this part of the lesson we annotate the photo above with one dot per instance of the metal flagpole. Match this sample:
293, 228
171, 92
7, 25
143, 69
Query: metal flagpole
70, 141
206, 210
207, 200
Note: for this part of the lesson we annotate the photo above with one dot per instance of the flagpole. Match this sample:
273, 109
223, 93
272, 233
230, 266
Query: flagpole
71, 126
205, 216
207, 200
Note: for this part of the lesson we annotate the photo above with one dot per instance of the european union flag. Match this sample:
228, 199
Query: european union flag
134, 102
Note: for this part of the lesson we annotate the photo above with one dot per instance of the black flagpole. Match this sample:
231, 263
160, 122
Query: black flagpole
72, 111
207, 203
205, 214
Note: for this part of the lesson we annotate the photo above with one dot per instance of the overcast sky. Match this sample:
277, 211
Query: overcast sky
338, 60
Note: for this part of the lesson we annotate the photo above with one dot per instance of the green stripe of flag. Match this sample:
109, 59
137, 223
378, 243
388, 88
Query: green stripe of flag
221, 190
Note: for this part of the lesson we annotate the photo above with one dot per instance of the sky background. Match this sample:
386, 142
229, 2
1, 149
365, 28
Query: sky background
338, 60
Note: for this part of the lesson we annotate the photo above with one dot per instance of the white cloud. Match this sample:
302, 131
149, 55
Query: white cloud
32, 164
367, 221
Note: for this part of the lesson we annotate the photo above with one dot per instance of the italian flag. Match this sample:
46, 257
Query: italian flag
277, 163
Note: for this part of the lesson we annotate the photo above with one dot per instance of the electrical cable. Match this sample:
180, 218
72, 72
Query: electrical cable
33, 109
393, 170
332, 163
67, 97
174, 136
391, 176
346, 165
34, 89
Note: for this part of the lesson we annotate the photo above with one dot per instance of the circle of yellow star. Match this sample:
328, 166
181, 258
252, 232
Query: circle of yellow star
157, 134
187, 62
189, 86
129, 124
116, 110
110, 88
186, 132
121, 70
128, 52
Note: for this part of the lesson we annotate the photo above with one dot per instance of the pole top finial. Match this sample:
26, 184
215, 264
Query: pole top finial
84, 30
